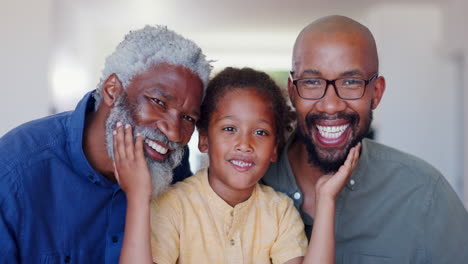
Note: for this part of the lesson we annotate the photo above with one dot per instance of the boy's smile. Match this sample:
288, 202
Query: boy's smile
241, 165
240, 140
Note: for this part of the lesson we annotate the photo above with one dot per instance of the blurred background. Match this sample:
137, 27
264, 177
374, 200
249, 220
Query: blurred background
52, 53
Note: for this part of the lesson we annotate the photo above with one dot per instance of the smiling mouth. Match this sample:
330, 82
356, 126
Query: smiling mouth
241, 163
156, 146
332, 132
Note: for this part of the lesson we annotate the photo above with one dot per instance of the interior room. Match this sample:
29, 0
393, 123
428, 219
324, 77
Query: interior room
53, 52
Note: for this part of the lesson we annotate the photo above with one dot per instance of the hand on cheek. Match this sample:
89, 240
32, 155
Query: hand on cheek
130, 168
328, 186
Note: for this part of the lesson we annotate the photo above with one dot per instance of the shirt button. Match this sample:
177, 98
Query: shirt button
115, 239
91, 177
232, 213
352, 182
67, 259
297, 195
233, 242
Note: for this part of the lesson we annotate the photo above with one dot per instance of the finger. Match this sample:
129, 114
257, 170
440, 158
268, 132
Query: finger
357, 151
116, 173
349, 162
119, 139
129, 142
355, 159
347, 168
339, 179
349, 159
343, 171
114, 144
341, 175
139, 147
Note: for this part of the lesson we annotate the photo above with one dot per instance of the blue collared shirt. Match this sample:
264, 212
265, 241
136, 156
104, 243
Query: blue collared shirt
55, 208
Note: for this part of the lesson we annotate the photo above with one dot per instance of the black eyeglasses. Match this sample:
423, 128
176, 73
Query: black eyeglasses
347, 88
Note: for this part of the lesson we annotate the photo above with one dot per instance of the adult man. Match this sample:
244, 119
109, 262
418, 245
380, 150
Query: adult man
396, 208
59, 200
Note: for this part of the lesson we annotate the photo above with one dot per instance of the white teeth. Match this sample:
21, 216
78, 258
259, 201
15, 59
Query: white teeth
241, 163
332, 132
156, 146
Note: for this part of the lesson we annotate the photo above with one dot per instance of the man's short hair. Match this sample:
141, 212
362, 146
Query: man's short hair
150, 46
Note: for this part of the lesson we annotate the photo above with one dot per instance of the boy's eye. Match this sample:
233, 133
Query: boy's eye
261, 132
189, 118
159, 102
229, 129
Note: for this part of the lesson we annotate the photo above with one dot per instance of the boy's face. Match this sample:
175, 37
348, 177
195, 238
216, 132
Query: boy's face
240, 140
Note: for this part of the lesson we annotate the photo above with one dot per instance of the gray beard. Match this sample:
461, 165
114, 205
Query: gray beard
161, 172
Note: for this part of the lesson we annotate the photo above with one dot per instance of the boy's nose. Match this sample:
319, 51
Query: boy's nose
244, 143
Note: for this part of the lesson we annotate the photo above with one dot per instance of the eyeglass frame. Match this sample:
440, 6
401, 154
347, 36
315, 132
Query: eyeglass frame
332, 82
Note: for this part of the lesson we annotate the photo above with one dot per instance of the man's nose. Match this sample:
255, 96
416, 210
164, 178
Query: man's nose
331, 103
171, 127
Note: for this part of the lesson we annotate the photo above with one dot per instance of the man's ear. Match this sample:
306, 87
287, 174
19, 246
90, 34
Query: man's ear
203, 141
111, 90
379, 89
291, 92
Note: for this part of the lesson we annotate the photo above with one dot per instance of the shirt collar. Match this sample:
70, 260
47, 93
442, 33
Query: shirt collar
75, 129
216, 201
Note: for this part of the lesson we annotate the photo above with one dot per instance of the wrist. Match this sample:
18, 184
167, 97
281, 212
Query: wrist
325, 201
325, 196
138, 198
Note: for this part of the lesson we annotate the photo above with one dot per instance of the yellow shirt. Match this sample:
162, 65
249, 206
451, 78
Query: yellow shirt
190, 223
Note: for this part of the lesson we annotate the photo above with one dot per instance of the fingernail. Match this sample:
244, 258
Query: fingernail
119, 124
127, 126
114, 132
138, 134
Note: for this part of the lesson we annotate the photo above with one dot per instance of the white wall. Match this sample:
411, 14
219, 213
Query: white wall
456, 45
25, 28
419, 110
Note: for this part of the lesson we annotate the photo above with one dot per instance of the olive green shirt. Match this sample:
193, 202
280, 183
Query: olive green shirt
395, 208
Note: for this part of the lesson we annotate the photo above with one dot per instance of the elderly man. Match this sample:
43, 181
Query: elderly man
396, 208
59, 199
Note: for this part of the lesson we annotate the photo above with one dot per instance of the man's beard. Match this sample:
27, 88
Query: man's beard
161, 172
330, 161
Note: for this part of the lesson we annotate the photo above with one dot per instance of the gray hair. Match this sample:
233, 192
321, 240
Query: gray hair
150, 46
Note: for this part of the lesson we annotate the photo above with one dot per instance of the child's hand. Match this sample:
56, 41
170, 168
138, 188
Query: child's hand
328, 186
130, 168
